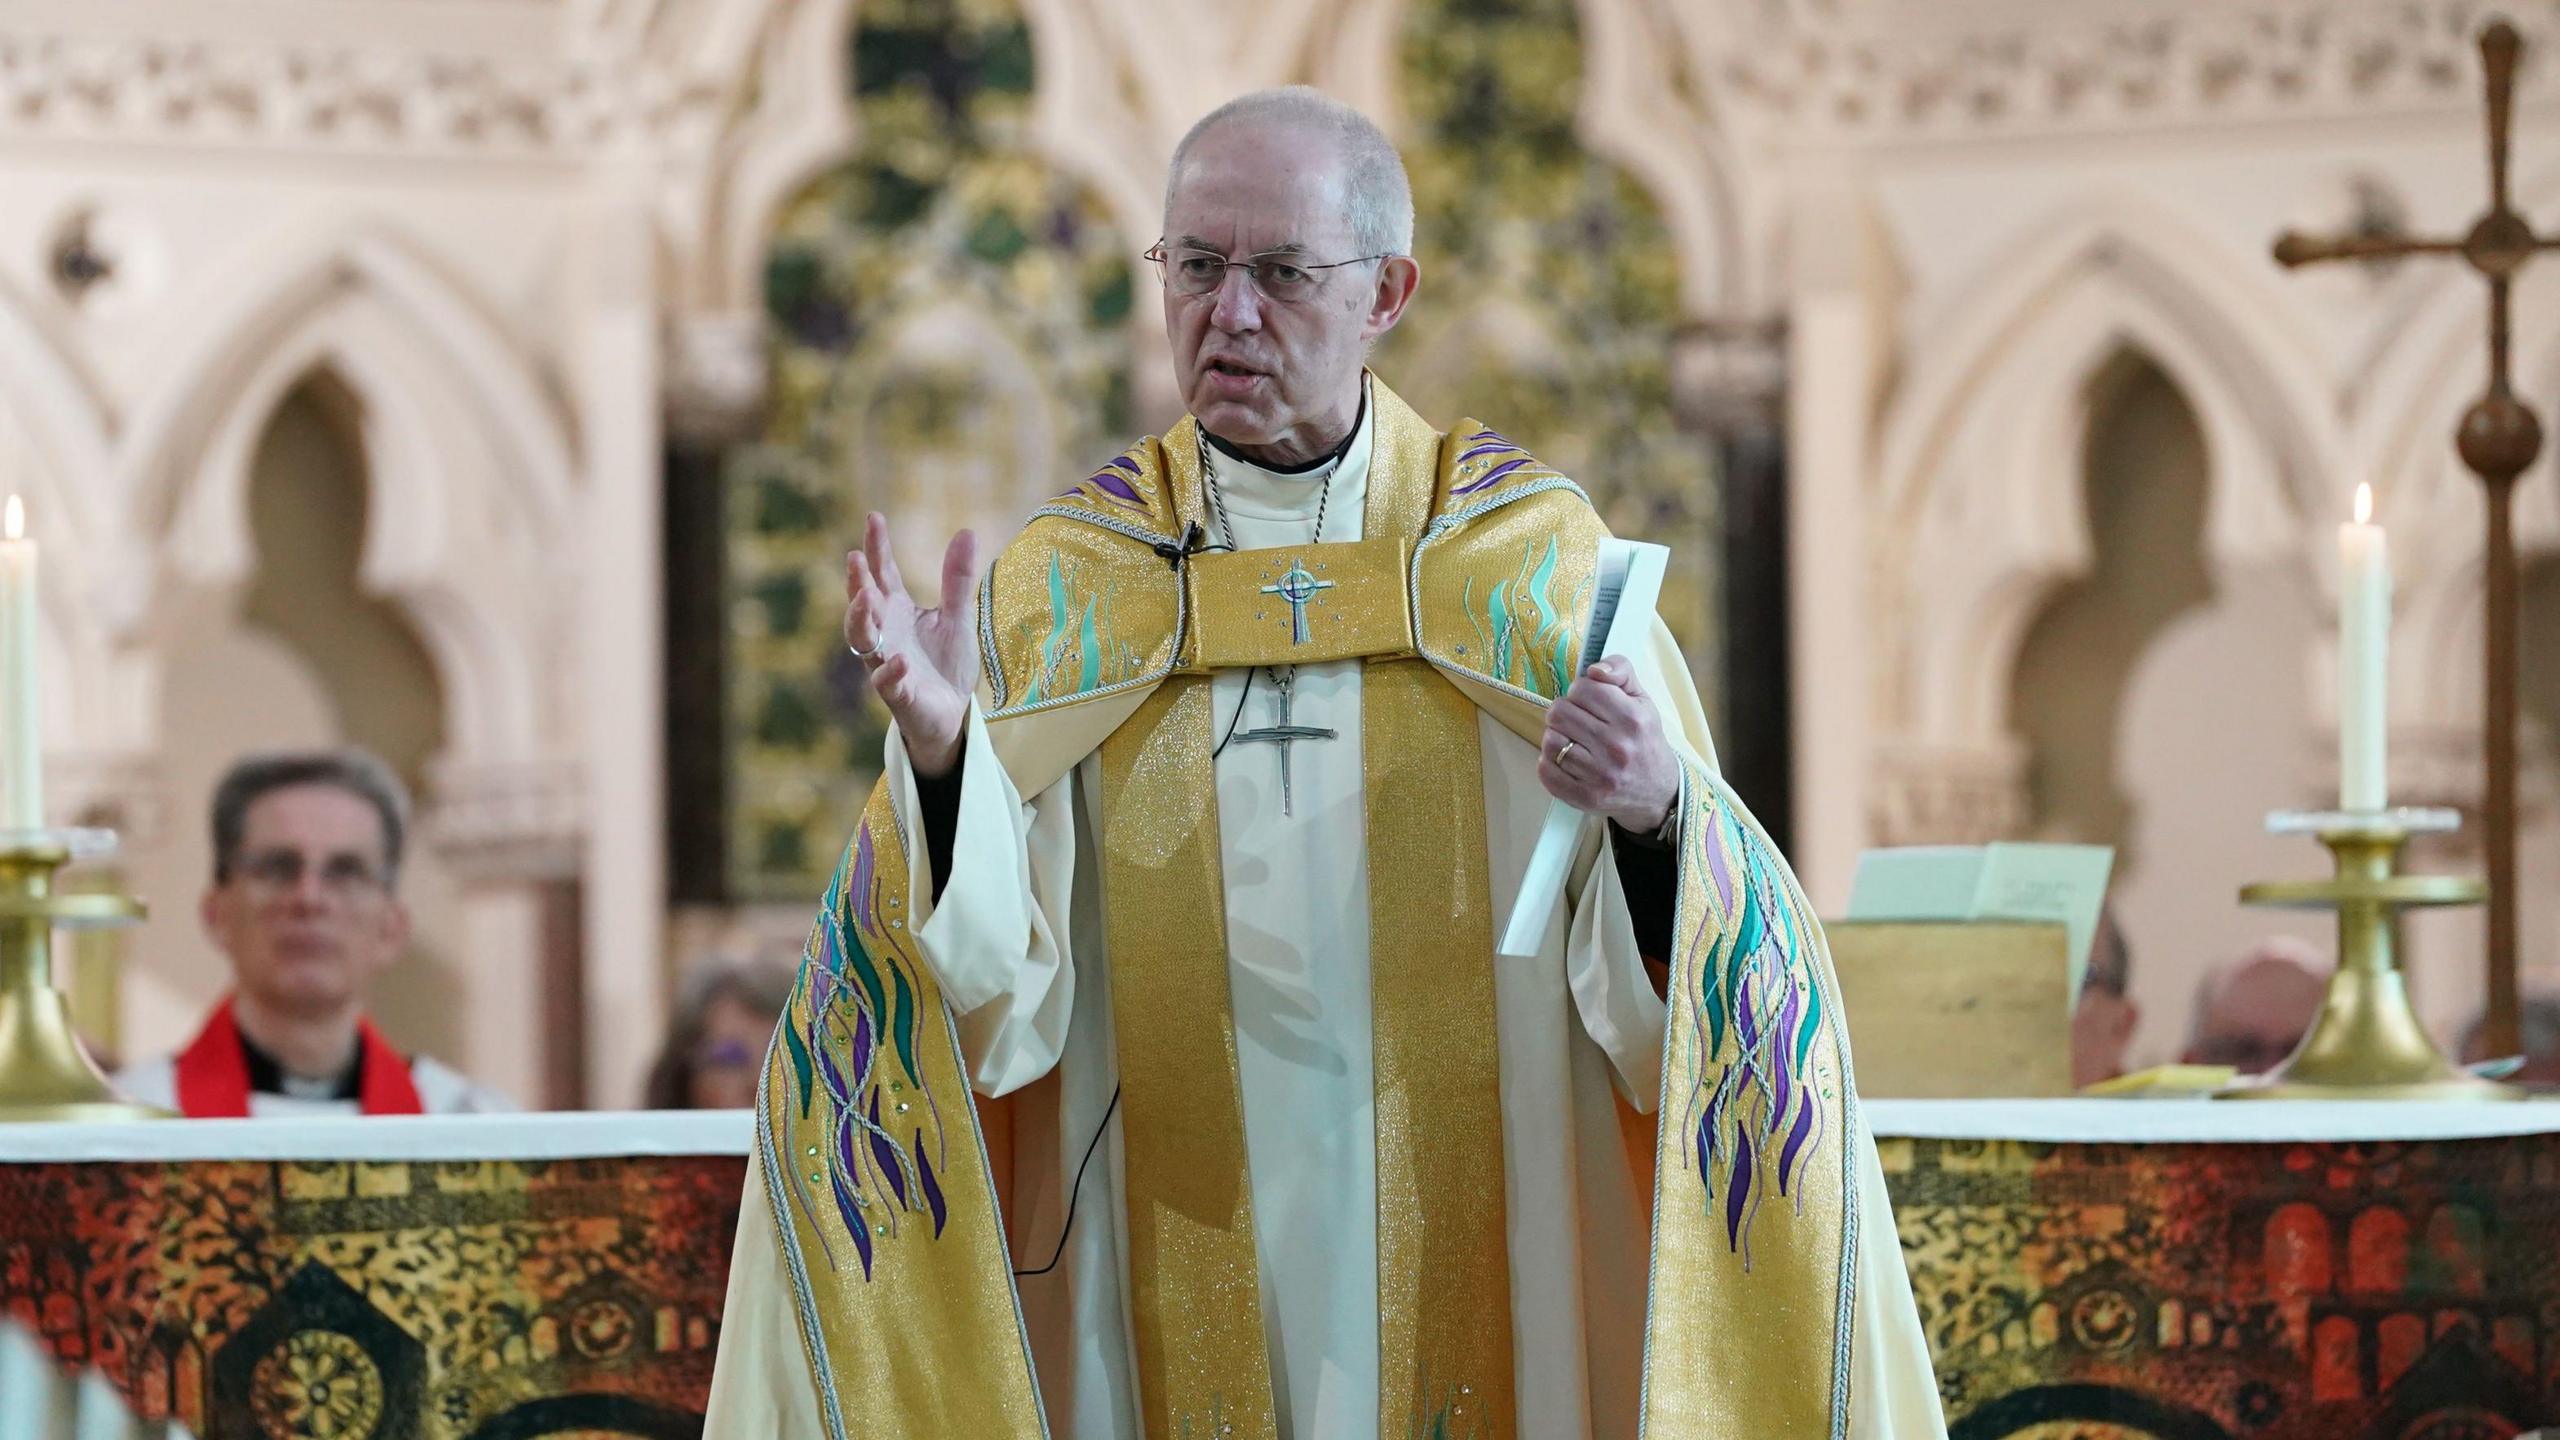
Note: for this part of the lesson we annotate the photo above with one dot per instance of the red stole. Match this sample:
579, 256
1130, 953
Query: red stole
213, 1072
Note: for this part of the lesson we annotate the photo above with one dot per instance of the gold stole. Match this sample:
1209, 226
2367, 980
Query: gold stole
1444, 1293
884, 1206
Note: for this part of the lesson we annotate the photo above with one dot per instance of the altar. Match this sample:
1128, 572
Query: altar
2135, 1270
434, 1278
2185, 1270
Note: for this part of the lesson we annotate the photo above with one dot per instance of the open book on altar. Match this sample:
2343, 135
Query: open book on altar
2005, 880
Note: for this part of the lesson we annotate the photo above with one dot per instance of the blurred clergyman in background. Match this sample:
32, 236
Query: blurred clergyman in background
304, 903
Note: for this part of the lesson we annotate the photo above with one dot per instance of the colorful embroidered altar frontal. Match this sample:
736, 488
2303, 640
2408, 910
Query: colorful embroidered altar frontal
2328, 1290
2403, 1290
450, 1300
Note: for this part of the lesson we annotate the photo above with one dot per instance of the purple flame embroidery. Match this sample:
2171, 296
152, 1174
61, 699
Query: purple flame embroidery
1719, 866
1799, 1136
859, 897
1110, 486
1117, 488
1492, 475
891, 1170
1737, 1200
1789, 1012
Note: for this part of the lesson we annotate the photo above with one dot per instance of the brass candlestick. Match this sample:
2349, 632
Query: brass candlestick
45, 1072
2367, 1043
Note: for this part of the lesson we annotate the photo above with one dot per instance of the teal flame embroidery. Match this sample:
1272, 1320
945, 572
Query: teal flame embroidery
1527, 639
1081, 648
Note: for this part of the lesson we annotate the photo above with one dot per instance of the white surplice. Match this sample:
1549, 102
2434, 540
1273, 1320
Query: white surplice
1017, 944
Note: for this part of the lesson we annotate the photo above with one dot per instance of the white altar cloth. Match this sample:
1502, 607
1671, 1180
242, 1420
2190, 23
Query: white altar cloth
565, 1135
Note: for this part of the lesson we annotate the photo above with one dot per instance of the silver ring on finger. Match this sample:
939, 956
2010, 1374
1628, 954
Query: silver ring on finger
859, 653
1565, 753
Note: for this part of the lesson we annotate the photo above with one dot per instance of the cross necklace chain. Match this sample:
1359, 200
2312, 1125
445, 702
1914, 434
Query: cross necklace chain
1284, 731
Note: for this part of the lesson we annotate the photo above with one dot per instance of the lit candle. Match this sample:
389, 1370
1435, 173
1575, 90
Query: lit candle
2364, 660
21, 702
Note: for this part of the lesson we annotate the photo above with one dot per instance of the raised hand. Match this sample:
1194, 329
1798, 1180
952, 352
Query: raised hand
923, 662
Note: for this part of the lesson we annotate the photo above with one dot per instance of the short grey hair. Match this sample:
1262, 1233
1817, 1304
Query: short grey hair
357, 771
1376, 190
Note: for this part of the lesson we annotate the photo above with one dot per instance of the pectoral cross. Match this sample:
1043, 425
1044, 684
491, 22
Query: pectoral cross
1297, 587
1286, 732
2498, 438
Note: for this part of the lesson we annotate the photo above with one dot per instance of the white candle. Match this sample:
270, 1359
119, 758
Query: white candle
21, 700
2364, 660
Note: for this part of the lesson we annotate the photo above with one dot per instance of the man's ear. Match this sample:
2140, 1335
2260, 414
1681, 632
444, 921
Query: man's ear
1399, 277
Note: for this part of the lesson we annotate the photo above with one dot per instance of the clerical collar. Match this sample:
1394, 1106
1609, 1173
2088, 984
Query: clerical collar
267, 1076
1266, 492
1315, 469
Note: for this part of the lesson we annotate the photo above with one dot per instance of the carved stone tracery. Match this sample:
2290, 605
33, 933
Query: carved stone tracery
1946, 795
1901, 72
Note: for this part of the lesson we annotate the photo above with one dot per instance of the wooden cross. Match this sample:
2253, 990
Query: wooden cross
2498, 438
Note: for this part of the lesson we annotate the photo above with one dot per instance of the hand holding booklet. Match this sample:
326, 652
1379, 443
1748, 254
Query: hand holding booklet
1628, 590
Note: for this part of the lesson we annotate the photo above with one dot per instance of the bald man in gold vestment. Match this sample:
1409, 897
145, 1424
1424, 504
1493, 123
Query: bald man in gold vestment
1152, 1071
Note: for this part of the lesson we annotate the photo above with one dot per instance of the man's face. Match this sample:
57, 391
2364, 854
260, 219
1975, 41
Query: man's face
1279, 379
306, 915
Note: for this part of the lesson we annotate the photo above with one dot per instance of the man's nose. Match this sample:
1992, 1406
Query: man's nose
1238, 309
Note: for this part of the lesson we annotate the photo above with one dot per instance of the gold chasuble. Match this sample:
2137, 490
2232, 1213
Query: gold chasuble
1468, 593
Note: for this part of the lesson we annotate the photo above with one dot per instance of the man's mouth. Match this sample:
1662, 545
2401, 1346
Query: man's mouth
1231, 368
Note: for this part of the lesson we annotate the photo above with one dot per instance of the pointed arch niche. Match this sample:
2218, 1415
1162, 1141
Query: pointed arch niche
295, 654
1978, 519
952, 337
2158, 699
